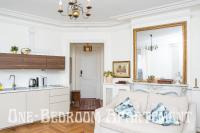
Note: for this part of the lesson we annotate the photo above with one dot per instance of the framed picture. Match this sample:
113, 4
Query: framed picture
121, 69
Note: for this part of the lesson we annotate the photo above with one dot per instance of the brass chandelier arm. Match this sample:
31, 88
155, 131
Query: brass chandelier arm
75, 9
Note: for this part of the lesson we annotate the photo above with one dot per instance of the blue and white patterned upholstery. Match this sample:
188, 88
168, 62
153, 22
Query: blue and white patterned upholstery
162, 116
125, 109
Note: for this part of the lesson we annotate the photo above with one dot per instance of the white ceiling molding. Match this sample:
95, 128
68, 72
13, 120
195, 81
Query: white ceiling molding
160, 9
43, 20
115, 20
28, 17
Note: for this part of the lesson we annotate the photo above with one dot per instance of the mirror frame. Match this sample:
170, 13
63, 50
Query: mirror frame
184, 31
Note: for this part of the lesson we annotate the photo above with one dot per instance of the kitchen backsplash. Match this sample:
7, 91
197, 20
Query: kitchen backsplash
23, 76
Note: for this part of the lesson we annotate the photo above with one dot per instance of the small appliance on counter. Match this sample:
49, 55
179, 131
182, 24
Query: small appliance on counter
34, 82
43, 81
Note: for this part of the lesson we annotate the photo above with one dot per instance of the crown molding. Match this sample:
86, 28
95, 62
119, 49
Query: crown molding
28, 17
114, 21
57, 23
160, 9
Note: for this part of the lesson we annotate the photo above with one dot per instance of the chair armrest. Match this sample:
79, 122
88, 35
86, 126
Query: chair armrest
191, 120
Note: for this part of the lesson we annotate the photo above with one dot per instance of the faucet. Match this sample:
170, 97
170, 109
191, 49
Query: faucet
13, 84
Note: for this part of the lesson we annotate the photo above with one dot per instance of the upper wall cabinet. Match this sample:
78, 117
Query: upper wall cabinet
12, 61
55, 62
34, 62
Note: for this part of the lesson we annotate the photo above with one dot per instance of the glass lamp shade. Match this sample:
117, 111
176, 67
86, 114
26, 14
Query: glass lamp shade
70, 11
60, 9
88, 13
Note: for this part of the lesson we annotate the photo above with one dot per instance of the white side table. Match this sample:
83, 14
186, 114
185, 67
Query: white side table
111, 90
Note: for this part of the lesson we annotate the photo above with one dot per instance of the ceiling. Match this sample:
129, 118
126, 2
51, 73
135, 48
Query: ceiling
103, 10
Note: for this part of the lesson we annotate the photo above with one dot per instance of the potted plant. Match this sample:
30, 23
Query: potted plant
14, 49
108, 76
151, 79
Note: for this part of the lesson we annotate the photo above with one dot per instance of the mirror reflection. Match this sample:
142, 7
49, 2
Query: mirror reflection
160, 55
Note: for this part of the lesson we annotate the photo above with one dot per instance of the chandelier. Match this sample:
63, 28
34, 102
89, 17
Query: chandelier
151, 47
75, 9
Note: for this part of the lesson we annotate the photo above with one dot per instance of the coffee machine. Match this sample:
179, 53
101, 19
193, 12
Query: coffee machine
34, 82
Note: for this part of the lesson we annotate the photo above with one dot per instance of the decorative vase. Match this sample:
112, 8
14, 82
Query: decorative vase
25, 51
108, 79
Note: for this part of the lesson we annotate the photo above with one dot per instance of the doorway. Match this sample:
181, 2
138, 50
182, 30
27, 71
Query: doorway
87, 70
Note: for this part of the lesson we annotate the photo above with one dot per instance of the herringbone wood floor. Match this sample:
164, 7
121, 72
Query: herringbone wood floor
54, 127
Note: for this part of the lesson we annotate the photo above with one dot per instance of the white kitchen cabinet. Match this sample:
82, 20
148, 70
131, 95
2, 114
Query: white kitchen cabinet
13, 107
59, 109
59, 102
59, 91
37, 102
33, 105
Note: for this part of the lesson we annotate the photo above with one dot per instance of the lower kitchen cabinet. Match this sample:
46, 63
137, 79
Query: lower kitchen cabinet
59, 102
37, 105
59, 109
13, 107
32, 105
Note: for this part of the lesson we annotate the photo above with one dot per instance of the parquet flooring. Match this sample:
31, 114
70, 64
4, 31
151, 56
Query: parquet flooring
66, 127
52, 128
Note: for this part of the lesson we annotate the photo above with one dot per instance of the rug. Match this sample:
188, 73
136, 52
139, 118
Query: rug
89, 104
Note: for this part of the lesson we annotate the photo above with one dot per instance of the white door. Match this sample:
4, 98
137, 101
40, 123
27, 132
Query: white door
88, 72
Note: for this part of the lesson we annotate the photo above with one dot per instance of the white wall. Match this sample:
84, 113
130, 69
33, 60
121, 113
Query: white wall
194, 48
122, 46
45, 39
48, 40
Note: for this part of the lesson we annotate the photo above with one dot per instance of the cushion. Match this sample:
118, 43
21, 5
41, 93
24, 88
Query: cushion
162, 116
125, 109
178, 105
138, 99
137, 126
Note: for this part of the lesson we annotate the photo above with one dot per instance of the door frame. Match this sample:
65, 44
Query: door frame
102, 66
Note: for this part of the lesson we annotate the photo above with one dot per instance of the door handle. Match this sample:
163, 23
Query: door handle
81, 73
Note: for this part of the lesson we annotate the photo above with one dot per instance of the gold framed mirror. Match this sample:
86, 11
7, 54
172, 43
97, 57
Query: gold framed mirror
160, 53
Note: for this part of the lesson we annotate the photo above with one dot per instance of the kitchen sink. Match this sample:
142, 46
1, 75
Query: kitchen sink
17, 88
